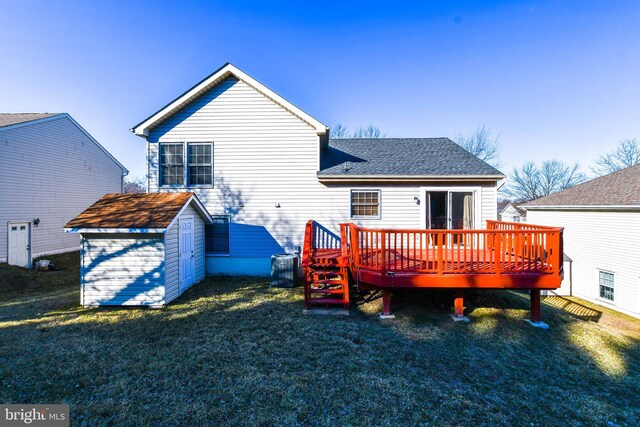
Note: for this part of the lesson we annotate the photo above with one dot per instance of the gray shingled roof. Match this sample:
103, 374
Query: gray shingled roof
620, 188
419, 157
8, 119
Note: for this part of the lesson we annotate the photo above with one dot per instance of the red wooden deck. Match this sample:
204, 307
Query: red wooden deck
504, 256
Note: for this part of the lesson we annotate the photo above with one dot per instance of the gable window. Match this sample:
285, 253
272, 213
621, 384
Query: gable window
190, 163
606, 280
365, 203
200, 163
171, 164
217, 236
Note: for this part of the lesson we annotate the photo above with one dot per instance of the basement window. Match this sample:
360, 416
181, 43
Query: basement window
606, 281
365, 204
217, 236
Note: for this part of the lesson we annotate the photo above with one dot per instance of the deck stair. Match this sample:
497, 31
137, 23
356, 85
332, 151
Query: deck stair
326, 276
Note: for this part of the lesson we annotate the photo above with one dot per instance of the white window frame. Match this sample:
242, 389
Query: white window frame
160, 166
365, 190
214, 254
185, 164
612, 287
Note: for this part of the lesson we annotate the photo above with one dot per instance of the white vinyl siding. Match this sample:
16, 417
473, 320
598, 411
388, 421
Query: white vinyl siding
266, 157
52, 171
122, 269
600, 241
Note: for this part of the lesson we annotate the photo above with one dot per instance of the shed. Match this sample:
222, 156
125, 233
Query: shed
140, 249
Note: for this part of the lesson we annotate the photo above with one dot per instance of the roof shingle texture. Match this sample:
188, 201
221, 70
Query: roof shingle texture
620, 188
8, 119
140, 210
401, 157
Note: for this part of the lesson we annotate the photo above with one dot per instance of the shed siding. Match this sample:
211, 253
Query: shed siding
173, 254
597, 240
121, 269
265, 156
52, 171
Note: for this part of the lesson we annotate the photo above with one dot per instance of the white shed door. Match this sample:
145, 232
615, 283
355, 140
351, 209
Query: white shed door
187, 258
19, 244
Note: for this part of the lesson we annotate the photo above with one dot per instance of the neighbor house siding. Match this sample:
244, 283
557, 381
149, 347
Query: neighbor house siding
122, 269
52, 171
265, 176
598, 240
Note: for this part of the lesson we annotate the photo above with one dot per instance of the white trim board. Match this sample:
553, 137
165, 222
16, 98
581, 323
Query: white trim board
143, 128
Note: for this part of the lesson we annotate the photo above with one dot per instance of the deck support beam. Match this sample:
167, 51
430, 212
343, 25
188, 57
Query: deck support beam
534, 314
458, 307
386, 305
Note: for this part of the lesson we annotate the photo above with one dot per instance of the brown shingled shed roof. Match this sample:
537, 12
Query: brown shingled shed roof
620, 188
140, 210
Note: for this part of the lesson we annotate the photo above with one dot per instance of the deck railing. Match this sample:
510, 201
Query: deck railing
503, 248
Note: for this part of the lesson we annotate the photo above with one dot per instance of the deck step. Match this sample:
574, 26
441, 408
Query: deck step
328, 301
326, 291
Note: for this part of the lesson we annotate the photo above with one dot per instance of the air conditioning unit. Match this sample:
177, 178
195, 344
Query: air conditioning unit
284, 270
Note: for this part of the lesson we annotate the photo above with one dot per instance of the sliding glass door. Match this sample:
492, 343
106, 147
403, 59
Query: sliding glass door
449, 210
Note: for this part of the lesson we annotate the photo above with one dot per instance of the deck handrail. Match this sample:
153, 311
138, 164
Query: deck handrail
502, 248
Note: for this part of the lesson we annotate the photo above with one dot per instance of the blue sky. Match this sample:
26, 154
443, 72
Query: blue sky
554, 79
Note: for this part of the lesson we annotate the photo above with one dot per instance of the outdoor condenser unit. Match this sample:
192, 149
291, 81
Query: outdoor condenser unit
284, 269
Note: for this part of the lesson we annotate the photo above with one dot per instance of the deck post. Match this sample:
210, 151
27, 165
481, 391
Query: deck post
386, 305
534, 314
458, 307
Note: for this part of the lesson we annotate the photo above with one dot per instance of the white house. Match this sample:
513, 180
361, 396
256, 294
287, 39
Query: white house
50, 170
263, 167
601, 220
140, 249
513, 213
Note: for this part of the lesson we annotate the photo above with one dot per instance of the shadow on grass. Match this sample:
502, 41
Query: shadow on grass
234, 351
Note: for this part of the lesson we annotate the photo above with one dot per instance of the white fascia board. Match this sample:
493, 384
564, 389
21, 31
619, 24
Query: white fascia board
583, 208
116, 230
408, 178
199, 207
225, 71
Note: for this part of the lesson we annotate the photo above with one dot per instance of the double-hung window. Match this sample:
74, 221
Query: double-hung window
171, 165
186, 164
217, 236
606, 280
365, 204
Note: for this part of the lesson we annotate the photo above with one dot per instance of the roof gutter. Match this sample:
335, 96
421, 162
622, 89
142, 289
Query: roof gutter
408, 178
582, 208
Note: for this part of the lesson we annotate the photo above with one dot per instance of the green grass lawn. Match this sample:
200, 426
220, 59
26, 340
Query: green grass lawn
234, 351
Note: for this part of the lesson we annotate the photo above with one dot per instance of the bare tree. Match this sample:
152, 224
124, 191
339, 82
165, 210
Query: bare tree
482, 144
338, 131
625, 155
135, 184
532, 181
370, 131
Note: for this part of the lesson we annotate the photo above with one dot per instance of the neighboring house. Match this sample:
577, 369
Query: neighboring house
140, 249
50, 170
513, 213
601, 220
263, 167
